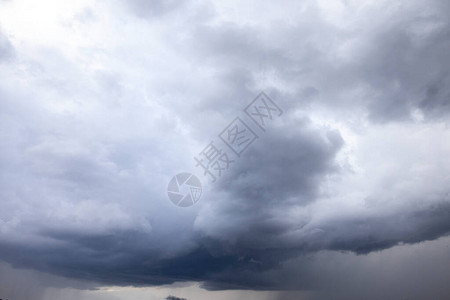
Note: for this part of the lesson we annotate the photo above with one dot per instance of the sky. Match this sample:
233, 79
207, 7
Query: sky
343, 193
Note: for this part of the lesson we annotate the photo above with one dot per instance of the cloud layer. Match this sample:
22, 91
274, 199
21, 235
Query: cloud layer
100, 105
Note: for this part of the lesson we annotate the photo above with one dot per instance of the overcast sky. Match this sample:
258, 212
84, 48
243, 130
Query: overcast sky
344, 194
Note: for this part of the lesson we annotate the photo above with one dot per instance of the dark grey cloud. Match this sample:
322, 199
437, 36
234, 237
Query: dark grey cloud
90, 139
436, 101
6, 48
361, 235
408, 67
250, 229
285, 163
388, 66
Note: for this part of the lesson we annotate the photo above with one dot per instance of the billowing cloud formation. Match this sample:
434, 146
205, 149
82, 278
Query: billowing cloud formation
102, 105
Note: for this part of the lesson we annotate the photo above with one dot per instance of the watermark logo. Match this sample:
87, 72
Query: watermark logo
262, 110
184, 189
214, 160
238, 136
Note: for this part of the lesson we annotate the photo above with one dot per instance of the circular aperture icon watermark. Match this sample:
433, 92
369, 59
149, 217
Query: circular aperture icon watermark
184, 189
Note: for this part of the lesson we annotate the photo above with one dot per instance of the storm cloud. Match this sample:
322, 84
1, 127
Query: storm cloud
100, 105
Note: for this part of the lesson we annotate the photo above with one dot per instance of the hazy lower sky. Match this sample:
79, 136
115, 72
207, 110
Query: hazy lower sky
343, 192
